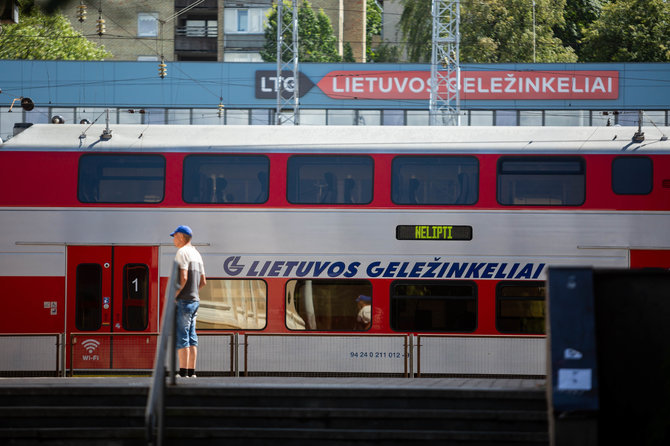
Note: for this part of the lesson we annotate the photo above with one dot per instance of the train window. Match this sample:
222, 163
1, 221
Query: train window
343, 305
434, 306
329, 179
233, 304
541, 181
632, 175
520, 307
226, 179
435, 180
121, 178
88, 299
135, 315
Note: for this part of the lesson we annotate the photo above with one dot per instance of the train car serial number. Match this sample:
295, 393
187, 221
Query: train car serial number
376, 355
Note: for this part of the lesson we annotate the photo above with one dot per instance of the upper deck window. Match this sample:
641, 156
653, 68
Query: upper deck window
435, 180
226, 179
121, 178
632, 175
541, 181
317, 179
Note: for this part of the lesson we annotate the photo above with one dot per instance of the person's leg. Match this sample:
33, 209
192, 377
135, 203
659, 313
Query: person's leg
192, 356
192, 340
182, 336
184, 358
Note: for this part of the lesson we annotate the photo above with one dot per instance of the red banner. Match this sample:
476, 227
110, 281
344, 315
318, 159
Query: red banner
474, 85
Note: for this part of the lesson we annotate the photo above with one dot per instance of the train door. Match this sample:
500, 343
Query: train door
112, 307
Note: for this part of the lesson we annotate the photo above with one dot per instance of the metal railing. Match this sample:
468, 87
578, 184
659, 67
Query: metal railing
32, 354
154, 414
287, 354
481, 355
126, 353
305, 354
197, 31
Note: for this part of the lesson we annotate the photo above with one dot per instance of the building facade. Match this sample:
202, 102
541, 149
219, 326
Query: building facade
200, 30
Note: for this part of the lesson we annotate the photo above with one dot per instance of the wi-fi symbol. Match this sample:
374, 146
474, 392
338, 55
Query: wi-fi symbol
90, 345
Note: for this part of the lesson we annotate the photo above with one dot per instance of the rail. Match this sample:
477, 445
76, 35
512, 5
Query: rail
154, 414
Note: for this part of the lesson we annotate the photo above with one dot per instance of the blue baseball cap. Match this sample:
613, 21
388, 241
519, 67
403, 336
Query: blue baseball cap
364, 298
184, 230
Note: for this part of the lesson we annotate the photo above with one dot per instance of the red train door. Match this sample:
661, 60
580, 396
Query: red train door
650, 258
112, 302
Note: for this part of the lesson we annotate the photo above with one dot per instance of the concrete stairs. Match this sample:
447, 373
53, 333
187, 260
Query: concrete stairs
358, 415
212, 411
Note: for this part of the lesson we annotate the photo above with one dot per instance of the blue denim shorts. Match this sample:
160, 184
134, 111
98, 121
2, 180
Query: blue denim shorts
186, 336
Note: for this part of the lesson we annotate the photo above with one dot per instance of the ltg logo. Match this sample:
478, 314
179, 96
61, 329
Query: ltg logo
91, 348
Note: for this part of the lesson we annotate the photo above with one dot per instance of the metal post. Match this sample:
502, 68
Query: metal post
444, 106
236, 353
62, 349
287, 68
410, 356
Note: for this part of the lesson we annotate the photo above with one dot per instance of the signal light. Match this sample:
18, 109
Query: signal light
162, 69
81, 12
220, 112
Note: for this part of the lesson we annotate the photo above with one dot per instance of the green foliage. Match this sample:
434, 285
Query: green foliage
629, 31
373, 27
348, 53
494, 31
316, 39
47, 37
385, 53
577, 16
416, 27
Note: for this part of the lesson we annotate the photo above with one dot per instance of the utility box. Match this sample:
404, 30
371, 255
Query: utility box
609, 356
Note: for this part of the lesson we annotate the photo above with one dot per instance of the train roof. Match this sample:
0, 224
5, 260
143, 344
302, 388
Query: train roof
354, 139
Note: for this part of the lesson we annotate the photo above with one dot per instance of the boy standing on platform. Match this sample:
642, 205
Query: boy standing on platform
191, 278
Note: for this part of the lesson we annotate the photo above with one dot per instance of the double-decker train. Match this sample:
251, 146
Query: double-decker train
446, 233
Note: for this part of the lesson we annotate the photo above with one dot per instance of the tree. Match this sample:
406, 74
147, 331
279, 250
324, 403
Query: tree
373, 27
316, 39
348, 53
629, 31
494, 31
577, 16
38, 36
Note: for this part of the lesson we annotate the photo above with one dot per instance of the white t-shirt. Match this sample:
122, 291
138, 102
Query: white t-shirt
188, 258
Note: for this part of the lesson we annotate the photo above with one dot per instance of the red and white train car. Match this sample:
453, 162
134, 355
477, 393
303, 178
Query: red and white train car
449, 230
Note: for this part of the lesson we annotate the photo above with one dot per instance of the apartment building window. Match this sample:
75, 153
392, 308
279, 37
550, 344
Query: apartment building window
201, 28
244, 20
147, 24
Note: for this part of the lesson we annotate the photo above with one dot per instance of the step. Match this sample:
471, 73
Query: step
78, 436
342, 437
246, 417
70, 416
364, 398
